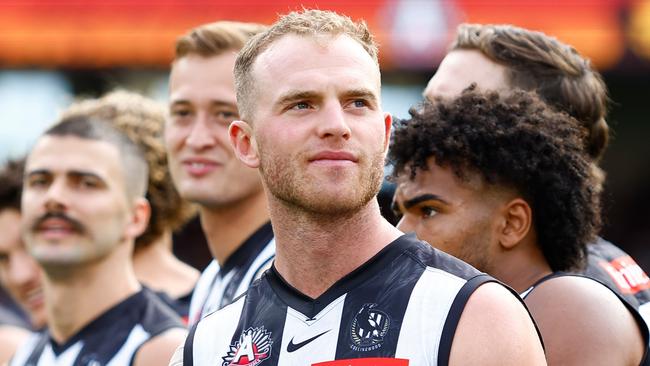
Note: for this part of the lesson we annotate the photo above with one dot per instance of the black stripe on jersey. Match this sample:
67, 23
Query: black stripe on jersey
457, 307
258, 312
188, 353
43, 340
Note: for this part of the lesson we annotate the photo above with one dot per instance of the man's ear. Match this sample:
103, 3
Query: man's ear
140, 218
516, 224
388, 124
243, 142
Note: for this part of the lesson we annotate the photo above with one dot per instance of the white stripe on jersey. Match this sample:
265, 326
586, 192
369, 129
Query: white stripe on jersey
210, 287
299, 328
136, 338
66, 358
23, 352
219, 341
425, 316
260, 264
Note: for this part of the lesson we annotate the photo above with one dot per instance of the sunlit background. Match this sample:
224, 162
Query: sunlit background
54, 51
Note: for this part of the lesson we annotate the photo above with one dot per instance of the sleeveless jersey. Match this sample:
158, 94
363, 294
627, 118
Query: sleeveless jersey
637, 316
399, 308
111, 339
219, 285
616, 269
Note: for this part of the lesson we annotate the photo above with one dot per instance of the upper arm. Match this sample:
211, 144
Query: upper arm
584, 323
159, 350
495, 329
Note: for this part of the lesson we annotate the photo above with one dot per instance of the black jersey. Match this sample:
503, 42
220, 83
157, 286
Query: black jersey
399, 308
219, 285
112, 339
616, 269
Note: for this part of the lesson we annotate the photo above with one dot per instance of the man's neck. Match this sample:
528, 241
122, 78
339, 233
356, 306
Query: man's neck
313, 252
157, 268
227, 227
83, 294
522, 267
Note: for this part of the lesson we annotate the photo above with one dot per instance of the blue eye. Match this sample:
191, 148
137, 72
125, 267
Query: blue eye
359, 103
301, 105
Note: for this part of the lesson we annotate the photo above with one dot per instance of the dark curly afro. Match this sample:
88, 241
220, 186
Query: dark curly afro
518, 142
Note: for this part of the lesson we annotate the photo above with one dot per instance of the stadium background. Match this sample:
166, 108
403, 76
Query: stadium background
54, 51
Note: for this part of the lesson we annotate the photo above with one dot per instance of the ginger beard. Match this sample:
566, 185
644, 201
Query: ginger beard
287, 180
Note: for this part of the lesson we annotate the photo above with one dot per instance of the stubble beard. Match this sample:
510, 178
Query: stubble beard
301, 192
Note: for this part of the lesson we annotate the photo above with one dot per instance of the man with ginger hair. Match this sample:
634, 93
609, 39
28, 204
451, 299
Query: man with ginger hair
205, 170
346, 287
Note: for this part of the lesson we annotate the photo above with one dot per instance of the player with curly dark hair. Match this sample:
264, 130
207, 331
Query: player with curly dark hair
505, 184
503, 57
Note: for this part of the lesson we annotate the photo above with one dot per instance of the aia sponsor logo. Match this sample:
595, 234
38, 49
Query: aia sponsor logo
368, 328
627, 275
253, 347
366, 362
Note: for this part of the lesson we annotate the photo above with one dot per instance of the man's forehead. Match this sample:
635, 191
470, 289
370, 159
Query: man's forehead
306, 63
70, 153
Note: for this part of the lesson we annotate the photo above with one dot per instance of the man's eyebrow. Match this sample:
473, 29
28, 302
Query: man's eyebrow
422, 198
37, 172
213, 103
72, 173
296, 95
360, 93
84, 174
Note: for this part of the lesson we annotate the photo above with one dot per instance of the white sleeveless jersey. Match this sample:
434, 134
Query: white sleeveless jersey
219, 285
400, 308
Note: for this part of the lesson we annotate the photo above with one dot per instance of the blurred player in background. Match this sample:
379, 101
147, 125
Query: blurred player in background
83, 205
204, 168
143, 120
504, 57
19, 273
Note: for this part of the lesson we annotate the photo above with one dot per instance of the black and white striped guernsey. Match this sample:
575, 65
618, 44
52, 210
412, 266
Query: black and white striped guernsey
112, 339
219, 285
399, 308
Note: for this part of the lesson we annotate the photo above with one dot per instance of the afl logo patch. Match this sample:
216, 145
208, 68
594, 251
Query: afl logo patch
368, 329
253, 347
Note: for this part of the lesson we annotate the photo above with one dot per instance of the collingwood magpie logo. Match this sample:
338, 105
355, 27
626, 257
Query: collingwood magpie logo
253, 347
368, 329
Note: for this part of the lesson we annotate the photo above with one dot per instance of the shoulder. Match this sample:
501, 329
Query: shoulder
159, 349
496, 329
569, 311
427, 256
11, 337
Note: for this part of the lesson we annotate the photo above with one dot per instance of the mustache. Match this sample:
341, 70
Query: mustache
74, 224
